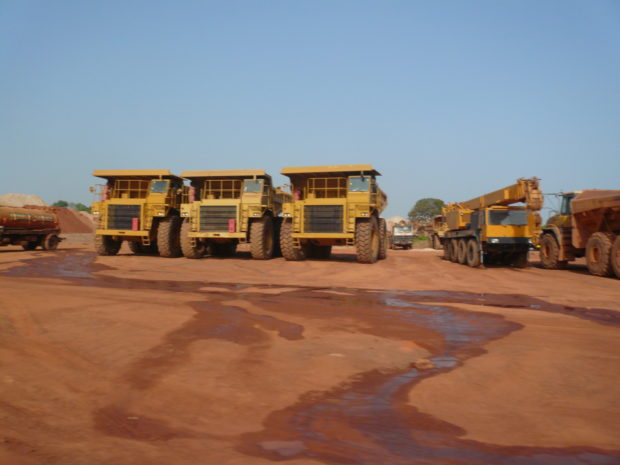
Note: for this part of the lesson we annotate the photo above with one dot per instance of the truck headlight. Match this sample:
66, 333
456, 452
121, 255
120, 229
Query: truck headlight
494, 240
255, 214
184, 213
286, 214
95, 213
160, 214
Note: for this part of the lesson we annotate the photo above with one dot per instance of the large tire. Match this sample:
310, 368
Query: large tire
169, 237
261, 238
549, 253
289, 252
382, 239
473, 253
615, 257
106, 245
190, 251
454, 250
367, 240
462, 251
598, 253
436, 242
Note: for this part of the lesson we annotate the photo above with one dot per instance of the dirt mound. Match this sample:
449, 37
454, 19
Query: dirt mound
19, 200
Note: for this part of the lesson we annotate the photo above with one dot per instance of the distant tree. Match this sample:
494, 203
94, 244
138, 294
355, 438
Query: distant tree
425, 209
81, 207
74, 206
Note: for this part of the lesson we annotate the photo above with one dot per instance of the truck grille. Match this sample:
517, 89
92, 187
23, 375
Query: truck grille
323, 219
215, 218
121, 216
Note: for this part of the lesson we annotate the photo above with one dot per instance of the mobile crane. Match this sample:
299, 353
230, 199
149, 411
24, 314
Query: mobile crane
490, 229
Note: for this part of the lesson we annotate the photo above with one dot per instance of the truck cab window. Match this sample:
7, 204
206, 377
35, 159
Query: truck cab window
565, 208
359, 184
252, 186
159, 187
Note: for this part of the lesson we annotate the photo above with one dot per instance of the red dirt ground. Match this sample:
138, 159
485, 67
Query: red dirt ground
140, 359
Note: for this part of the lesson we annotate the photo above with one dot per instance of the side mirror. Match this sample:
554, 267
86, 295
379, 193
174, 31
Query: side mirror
92, 189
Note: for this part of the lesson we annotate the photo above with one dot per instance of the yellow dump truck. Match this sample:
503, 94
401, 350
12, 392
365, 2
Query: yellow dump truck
334, 205
490, 229
228, 207
588, 224
437, 230
141, 207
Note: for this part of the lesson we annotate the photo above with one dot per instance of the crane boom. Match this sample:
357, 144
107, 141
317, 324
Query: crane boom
524, 190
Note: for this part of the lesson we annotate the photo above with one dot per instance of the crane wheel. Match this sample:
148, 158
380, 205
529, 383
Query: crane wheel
261, 238
598, 253
289, 252
550, 252
454, 250
367, 240
169, 237
106, 245
615, 257
462, 251
383, 242
189, 250
473, 253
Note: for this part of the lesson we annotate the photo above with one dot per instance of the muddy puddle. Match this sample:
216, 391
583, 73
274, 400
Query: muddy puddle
366, 420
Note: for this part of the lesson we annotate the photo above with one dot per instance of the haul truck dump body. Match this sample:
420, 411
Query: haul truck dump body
488, 229
588, 224
227, 207
334, 205
29, 227
140, 207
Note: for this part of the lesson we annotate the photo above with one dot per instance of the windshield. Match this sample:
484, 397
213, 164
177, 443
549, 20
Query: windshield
359, 184
508, 217
565, 208
159, 187
403, 229
252, 186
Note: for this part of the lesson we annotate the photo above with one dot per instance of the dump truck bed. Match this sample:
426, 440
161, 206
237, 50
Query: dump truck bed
594, 199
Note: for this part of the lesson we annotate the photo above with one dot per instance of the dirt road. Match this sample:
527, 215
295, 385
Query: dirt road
414, 360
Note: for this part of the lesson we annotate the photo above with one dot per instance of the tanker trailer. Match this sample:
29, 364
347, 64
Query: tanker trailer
29, 227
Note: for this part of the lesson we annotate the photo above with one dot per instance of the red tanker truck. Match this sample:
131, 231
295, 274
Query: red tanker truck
29, 227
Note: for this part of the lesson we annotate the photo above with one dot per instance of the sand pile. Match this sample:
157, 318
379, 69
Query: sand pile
73, 221
19, 200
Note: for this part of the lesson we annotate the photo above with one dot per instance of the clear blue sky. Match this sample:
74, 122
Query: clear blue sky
448, 99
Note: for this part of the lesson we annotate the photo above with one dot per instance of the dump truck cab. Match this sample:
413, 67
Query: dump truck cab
334, 205
141, 207
228, 207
